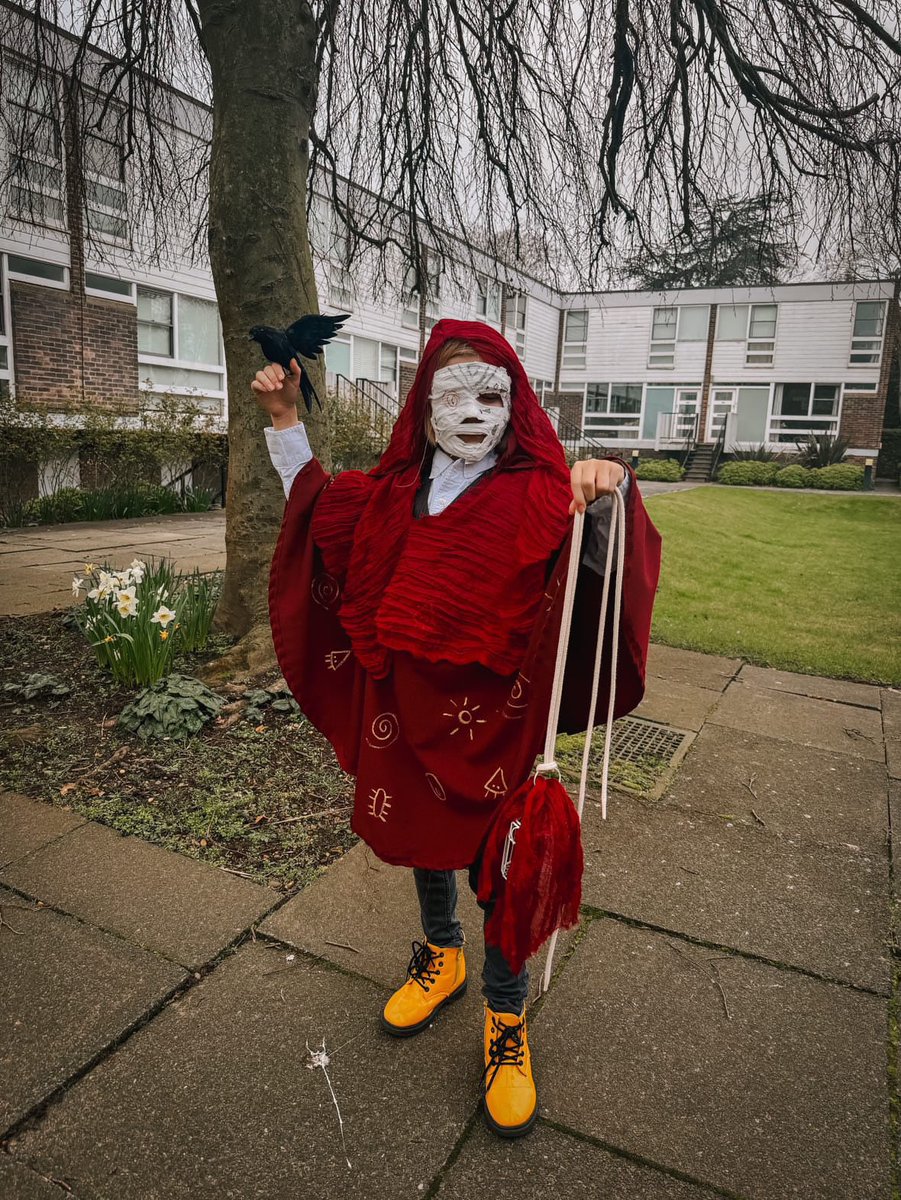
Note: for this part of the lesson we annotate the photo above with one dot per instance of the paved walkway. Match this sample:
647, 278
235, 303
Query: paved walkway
720, 1025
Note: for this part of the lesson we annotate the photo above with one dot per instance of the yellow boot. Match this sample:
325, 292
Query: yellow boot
511, 1100
436, 976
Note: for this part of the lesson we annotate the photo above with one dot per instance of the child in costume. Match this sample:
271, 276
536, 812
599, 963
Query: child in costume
415, 610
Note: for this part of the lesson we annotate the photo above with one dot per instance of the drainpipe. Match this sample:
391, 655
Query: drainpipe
708, 374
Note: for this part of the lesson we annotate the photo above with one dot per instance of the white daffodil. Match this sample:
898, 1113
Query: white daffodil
106, 584
126, 602
137, 565
94, 594
163, 616
77, 585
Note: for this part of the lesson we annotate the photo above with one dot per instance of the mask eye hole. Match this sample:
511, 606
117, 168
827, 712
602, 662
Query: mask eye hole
491, 398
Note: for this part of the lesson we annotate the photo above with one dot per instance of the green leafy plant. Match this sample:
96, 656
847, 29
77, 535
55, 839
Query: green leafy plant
759, 453
199, 593
176, 707
823, 449
662, 470
839, 477
794, 476
37, 686
748, 474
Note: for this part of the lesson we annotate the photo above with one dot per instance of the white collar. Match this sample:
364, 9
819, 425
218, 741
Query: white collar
442, 461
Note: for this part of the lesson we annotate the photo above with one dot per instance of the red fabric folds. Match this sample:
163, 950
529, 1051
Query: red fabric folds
543, 888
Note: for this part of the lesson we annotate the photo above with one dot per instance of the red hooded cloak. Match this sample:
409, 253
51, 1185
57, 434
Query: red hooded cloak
423, 648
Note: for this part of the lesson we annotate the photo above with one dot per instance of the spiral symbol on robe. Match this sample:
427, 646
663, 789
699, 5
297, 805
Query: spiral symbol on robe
325, 590
384, 731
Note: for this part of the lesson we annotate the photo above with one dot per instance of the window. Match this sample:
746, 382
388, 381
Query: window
541, 388
869, 330
388, 364
761, 335
669, 325
155, 325
434, 270
36, 185
663, 337
575, 337
108, 285
516, 321
613, 410
337, 357
5, 363
408, 355
341, 291
32, 270
180, 345
103, 160
751, 323
802, 409
488, 298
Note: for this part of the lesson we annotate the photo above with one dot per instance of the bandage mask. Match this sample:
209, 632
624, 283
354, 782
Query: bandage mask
458, 413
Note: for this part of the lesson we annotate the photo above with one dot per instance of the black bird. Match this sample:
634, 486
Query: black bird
304, 339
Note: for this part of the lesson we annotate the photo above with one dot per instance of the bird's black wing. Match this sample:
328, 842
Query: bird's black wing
309, 334
309, 393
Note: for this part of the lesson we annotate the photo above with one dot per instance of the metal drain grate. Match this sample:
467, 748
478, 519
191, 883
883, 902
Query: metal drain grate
634, 740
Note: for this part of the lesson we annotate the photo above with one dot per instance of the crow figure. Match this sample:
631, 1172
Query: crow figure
304, 339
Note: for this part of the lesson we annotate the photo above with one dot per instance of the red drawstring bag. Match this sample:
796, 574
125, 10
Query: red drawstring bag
532, 860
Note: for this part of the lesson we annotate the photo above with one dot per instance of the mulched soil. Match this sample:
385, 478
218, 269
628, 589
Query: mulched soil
262, 797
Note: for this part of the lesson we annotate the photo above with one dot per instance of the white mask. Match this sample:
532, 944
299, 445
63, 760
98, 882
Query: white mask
457, 411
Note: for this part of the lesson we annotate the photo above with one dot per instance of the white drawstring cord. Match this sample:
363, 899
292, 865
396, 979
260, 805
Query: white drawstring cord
617, 540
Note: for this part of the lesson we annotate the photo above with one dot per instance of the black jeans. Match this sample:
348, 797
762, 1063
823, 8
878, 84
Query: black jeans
504, 991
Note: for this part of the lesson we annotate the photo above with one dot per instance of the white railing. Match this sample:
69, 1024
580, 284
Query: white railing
675, 430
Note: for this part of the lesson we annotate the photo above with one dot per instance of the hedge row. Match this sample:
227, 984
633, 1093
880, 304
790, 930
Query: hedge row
838, 477
660, 470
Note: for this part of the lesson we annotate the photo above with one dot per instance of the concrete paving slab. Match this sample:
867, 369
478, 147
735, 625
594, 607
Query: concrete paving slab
687, 666
811, 685
551, 1163
891, 719
674, 703
66, 991
26, 824
363, 903
803, 720
213, 1099
829, 798
785, 1098
809, 906
18, 1182
156, 898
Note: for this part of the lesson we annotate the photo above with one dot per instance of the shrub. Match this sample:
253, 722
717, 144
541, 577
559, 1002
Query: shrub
660, 470
176, 707
200, 594
748, 474
888, 464
794, 476
759, 453
839, 476
107, 504
822, 449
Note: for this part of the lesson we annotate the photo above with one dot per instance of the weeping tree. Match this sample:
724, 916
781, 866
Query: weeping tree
592, 132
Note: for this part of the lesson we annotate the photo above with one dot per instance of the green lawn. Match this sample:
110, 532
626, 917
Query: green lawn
797, 581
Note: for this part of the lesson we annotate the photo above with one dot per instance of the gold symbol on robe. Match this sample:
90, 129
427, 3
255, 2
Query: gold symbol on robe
465, 717
325, 590
379, 804
435, 784
336, 658
384, 731
516, 701
496, 786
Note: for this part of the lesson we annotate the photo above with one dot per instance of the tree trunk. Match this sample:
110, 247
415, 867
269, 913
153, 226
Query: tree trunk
262, 60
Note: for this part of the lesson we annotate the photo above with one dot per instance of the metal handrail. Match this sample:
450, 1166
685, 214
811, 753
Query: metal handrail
718, 447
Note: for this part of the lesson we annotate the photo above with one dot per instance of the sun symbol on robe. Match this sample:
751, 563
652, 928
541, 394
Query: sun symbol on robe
465, 716
379, 804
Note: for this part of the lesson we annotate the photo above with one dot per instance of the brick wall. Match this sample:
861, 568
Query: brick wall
73, 352
861, 420
407, 375
570, 406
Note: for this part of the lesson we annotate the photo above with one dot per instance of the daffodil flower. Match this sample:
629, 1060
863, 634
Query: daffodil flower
89, 567
164, 633
163, 616
126, 602
77, 585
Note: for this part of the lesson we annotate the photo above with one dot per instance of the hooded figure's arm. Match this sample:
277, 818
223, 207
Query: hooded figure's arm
289, 450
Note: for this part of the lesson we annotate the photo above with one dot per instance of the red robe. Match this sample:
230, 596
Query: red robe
424, 649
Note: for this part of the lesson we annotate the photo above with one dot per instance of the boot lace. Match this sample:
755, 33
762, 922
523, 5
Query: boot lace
506, 1049
422, 968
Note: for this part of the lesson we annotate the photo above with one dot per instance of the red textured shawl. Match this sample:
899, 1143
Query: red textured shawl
463, 586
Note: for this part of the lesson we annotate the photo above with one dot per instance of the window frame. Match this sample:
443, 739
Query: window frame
24, 277
874, 361
760, 351
574, 352
485, 289
7, 373
120, 183
662, 350
787, 429
130, 298
606, 423
18, 181
176, 362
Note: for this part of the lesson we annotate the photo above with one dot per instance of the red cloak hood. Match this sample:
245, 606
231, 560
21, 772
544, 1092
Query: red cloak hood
463, 586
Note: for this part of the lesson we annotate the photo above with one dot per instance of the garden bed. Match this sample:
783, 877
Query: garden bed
265, 798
